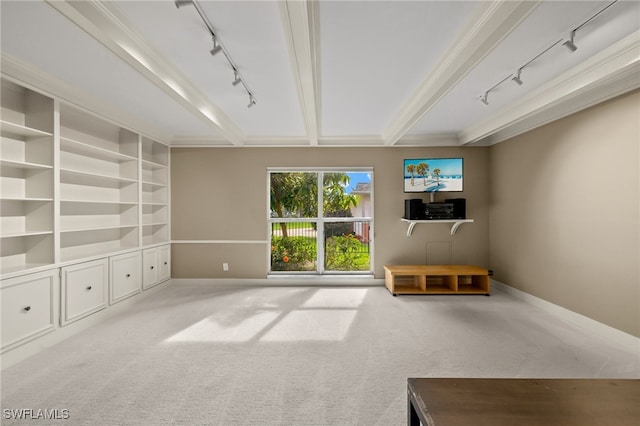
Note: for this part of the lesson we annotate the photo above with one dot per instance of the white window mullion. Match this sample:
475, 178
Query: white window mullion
320, 225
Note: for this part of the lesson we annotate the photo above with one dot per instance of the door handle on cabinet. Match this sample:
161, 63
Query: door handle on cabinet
88, 287
27, 308
128, 275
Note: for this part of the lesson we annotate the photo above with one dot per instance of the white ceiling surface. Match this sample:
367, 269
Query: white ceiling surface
339, 73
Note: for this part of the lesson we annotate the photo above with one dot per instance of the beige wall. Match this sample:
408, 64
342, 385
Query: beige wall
565, 212
221, 194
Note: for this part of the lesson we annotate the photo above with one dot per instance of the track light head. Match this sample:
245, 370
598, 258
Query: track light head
516, 77
236, 78
216, 48
484, 99
180, 3
252, 101
569, 44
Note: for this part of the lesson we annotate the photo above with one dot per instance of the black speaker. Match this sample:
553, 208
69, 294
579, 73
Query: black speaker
459, 207
414, 209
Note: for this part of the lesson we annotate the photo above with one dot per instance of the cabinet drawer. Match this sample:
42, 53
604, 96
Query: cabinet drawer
164, 263
149, 268
28, 307
84, 289
126, 276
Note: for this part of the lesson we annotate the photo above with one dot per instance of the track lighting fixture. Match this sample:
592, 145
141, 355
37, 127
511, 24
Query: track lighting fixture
516, 77
218, 47
236, 78
569, 44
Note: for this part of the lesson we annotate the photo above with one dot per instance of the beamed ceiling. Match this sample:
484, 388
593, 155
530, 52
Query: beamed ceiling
325, 73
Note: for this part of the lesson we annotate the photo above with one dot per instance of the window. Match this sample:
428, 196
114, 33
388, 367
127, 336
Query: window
327, 231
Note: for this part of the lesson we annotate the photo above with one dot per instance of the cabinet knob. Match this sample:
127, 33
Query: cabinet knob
88, 287
27, 308
128, 275
165, 263
152, 267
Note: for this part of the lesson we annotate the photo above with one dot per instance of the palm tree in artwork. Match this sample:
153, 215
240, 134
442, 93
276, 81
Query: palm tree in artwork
436, 172
422, 169
411, 168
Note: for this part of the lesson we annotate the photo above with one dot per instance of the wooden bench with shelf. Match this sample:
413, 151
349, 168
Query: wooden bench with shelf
436, 279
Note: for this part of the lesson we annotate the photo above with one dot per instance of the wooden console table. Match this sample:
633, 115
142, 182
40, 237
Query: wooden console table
523, 402
436, 279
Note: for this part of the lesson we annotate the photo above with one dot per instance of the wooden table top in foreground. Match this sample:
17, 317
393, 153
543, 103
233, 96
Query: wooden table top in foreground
496, 402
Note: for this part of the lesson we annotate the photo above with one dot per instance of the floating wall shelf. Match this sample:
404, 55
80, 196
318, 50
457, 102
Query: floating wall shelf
455, 224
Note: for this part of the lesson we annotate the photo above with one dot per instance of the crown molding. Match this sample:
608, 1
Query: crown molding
300, 22
435, 140
610, 73
32, 77
493, 22
105, 23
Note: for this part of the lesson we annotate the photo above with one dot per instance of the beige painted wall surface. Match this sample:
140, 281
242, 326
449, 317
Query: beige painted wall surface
221, 194
565, 212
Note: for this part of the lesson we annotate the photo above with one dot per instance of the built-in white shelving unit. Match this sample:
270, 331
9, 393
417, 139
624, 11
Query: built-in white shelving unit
98, 185
155, 192
81, 200
75, 185
26, 179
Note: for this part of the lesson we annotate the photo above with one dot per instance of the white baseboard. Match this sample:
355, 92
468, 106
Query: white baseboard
592, 326
287, 280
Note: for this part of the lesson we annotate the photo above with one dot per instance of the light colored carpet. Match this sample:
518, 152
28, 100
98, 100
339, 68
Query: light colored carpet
192, 354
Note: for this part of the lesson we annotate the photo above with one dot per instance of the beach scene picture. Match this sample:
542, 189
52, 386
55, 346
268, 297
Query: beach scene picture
433, 175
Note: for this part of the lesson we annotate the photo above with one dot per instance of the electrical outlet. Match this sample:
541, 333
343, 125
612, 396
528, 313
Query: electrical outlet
225, 266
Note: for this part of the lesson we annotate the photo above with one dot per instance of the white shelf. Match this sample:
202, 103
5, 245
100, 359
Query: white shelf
92, 179
23, 165
26, 234
97, 228
455, 223
99, 203
76, 147
20, 130
27, 199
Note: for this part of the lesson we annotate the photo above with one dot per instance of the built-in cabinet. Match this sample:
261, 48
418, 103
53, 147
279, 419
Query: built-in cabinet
155, 266
28, 307
84, 289
81, 200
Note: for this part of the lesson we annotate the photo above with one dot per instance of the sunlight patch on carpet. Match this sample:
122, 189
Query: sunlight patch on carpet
223, 329
312, 325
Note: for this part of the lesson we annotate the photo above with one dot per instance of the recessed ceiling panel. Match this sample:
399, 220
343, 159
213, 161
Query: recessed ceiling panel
39, 35
251, 32
547, 25
375, 54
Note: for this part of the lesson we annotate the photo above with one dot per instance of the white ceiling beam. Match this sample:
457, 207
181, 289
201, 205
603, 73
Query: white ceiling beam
300, 21
491, 24
610, 73
105, 23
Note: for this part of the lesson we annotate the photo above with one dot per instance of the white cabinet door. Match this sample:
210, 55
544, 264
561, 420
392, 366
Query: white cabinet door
149, 268
84, 289
126, 279
164, 260
28, 307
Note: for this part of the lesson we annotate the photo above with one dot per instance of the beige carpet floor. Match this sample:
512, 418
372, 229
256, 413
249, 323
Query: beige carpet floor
194, 354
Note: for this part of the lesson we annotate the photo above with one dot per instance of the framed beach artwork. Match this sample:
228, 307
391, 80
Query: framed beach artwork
433, 175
